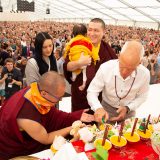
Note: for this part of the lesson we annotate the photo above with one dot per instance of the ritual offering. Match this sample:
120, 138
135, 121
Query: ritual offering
85, 133
156, 127
150, 127
146, 127
144, 135
107, 145
132, 136
155, 120
58, 142
116, 143
142, 125
105, 135
155, 141
76, 126
158, 118
112, 130
119, 141
86, 136
143, 132
103, 125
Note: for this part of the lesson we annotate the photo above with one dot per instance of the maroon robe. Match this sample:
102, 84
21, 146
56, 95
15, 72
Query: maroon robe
78, 98
12, 141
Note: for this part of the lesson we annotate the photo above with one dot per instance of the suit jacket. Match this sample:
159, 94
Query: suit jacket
25, 51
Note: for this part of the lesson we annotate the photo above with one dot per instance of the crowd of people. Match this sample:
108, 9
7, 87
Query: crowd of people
16, 37
32, 58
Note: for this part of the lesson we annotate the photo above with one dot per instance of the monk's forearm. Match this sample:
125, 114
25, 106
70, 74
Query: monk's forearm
63, 132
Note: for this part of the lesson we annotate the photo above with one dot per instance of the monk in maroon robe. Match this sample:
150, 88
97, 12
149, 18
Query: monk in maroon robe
95, 31
28, 120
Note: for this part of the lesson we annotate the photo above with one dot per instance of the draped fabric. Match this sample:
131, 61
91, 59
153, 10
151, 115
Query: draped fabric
12, 141
33, 95
136, 151
79, 100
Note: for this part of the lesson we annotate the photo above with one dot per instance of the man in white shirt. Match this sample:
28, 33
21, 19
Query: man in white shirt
124, 84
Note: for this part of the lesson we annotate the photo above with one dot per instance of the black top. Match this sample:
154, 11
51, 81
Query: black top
3, 56
43, 66
14, 74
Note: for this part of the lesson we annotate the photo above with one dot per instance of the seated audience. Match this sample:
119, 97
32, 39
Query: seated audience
13, 78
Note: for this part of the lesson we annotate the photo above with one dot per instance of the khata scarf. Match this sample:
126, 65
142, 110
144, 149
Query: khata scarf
34, 96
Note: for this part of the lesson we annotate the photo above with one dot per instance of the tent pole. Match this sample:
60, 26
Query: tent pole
158, 26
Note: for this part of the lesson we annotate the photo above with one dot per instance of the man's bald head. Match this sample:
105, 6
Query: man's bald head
51, 82
132, 52
130, 57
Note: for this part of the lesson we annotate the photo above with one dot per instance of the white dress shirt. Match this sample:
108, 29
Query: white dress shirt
104, 81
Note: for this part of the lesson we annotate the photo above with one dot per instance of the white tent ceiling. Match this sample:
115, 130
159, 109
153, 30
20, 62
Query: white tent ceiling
114, 11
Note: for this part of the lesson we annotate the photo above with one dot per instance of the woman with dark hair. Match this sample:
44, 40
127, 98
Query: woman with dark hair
43, 60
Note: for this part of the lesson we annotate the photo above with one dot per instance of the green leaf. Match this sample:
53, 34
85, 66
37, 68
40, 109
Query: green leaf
101, 153
96, 156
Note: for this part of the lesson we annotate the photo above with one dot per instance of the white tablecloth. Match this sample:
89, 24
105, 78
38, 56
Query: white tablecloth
44, 154
67, 152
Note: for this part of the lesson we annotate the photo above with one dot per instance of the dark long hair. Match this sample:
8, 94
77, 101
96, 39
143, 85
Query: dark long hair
43, 66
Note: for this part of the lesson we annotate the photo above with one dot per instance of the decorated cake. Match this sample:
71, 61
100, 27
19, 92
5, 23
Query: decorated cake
58, 142
116, 143
134, 138
106, 146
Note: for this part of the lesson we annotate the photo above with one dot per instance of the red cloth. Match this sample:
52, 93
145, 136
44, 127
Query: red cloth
83, 43
12, 142
137, 151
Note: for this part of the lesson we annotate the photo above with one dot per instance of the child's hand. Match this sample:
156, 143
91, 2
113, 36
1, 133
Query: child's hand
84, 60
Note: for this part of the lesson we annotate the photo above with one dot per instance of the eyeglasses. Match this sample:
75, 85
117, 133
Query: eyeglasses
55, 97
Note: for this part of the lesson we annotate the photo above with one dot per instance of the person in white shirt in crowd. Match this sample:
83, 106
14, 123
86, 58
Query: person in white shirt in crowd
2, 85
23, 41
124, 84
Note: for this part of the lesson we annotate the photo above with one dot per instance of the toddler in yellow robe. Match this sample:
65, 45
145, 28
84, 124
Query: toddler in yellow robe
78, 45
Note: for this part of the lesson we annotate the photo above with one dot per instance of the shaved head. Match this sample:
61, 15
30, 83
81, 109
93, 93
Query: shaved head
130, 57
51, 82
132, 52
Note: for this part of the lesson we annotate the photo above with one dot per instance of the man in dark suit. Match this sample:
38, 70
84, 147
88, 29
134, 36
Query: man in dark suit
28, 50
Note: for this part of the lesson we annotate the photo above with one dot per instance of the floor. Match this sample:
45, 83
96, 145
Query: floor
151, 106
